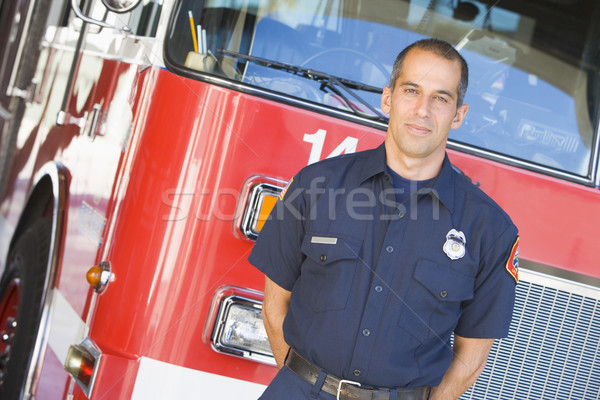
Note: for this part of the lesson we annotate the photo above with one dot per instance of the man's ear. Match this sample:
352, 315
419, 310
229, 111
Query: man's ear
386, 100
460, 116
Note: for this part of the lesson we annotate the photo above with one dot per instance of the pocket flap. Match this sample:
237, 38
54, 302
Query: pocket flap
444, 284
327, 248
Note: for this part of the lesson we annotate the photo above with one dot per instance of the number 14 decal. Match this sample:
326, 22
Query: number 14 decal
317, 140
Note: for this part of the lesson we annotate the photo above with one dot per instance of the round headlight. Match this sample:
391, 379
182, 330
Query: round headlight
121, 6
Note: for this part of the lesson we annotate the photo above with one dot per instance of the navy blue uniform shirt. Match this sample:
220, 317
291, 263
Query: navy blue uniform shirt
375, 297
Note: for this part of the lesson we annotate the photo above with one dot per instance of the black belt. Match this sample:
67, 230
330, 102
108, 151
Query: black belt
345, 389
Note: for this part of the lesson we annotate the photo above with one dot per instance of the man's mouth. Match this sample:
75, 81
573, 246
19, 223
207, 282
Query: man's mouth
418, 129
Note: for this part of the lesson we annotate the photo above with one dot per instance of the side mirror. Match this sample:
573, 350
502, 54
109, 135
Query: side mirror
120, 6
113, 5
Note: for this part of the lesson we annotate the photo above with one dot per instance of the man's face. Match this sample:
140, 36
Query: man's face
422, 108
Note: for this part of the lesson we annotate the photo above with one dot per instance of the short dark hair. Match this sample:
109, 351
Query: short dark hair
442, 49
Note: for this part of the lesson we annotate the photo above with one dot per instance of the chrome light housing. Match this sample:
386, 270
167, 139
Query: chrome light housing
238, 328
121, 6
82, 364
258, 198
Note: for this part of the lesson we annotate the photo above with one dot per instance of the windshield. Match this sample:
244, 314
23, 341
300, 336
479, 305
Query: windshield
533, 84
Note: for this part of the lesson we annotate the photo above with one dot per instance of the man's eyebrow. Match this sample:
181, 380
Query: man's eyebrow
410, 83
440, 91
447, 93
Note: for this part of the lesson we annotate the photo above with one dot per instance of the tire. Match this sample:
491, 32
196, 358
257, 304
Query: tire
21, 298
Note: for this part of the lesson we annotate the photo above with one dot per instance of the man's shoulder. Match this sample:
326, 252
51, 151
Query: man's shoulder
479, 203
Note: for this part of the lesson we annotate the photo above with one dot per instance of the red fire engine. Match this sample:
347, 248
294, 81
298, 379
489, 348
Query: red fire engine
144, 143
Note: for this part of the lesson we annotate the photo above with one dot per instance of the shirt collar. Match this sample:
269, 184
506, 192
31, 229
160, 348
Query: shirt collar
442, 187
375, 163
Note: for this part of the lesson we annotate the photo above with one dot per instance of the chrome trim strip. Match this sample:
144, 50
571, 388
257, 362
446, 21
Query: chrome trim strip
596, 149
114, 57
559, 283
104, 54
57, 46
17, 60
595, 167
583, 282
4, 113
57, 174
99, 54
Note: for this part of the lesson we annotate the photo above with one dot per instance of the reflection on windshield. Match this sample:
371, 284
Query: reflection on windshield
530, 93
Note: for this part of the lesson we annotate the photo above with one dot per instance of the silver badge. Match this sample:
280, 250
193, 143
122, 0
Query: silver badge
455, 244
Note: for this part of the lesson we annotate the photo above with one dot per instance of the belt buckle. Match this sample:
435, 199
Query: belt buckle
346, 381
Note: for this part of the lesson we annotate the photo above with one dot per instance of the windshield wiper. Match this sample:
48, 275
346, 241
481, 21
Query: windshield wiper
329, 81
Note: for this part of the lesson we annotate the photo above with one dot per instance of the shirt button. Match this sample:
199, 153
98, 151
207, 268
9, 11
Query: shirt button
401, 214
389, 249
357, 372
366, 332
323, 257
378, 289
443, 294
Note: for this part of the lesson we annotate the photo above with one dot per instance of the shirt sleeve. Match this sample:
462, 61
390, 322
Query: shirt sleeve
277, 252
489, 313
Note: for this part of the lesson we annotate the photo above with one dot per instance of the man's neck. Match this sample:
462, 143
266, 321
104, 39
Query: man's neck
415, 169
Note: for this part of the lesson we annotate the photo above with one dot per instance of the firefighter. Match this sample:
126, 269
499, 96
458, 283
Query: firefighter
388, 273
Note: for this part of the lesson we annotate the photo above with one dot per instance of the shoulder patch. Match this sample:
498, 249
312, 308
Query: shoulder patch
282, 194
512, 264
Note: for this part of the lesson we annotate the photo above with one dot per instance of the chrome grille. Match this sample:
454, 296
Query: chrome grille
552, 351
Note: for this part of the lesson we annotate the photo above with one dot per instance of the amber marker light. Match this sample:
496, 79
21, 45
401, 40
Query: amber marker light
99, 276
261, 199
94, 276
266, 206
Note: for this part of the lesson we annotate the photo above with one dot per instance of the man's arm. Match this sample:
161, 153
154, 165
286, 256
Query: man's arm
470, 356
275, 306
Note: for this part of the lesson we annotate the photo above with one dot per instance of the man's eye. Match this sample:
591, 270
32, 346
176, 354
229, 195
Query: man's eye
442, 99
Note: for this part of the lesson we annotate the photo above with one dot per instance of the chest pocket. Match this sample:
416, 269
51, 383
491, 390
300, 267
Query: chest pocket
328, 271
433, 306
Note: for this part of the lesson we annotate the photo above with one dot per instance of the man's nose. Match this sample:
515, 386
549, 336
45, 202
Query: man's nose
422, 106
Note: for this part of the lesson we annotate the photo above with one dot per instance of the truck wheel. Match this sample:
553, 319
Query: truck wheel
21, 298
